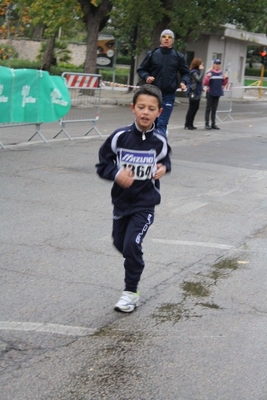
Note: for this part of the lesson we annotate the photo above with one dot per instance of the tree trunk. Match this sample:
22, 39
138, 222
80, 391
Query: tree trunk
92, 27
38, 32
48, 54
132, 66
95, 19
157, 31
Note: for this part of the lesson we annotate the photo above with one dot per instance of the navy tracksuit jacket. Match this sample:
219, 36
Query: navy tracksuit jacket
133, 207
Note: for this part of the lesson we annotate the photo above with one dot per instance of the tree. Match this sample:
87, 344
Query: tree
187, 18
257, 22
51, 15
12, 22
95, 16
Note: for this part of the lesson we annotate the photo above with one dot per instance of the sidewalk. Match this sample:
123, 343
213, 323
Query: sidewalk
122, 96
114, 100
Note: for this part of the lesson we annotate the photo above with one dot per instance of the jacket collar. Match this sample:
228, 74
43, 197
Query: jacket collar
138, 131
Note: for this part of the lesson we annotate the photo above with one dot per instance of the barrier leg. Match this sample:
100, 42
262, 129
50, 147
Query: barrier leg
63, 130
38, 132
227, 116
1, 144
96, 129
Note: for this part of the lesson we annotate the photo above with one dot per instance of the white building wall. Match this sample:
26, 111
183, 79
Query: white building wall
199, 48
29, 49
232, 53
235, 62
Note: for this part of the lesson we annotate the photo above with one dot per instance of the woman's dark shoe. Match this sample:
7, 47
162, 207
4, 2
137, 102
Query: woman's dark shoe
194, 127
191, 128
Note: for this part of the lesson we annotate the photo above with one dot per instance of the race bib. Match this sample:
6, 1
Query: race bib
141, 163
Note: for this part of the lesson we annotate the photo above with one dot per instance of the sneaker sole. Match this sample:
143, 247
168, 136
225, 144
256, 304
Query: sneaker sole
116, 308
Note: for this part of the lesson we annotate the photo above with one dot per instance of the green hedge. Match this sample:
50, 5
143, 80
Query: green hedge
55, 70
121, 75
124, 60
255, 72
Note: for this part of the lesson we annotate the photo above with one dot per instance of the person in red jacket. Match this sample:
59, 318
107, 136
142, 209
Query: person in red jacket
215, 80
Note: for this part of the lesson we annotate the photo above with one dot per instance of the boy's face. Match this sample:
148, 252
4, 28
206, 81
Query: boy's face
146, 110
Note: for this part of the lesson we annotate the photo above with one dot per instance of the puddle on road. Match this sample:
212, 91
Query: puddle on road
195, 289
223, 268
110, 366
175, 312
119, 335
170, 312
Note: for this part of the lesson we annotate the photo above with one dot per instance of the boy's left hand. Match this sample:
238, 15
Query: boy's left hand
161, 170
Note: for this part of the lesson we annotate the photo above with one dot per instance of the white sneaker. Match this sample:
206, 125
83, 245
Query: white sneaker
127, 302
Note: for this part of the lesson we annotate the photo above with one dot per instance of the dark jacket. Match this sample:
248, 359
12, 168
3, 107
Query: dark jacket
164, 64
127, 147
196, 78
215, 83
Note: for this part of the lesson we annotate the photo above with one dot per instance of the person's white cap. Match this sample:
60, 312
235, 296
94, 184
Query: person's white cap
167, 32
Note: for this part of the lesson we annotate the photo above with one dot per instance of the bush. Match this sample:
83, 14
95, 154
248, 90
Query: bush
55, 69
60, 68
121, 75
19, 63
255, 72
126, 60
7, 52
60, 54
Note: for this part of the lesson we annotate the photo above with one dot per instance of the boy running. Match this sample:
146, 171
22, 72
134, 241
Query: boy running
135, 157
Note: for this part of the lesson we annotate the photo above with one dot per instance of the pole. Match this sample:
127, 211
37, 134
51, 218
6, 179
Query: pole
261, 80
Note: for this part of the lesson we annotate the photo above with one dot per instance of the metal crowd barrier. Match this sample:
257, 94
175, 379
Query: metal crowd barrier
85, 93
226, 103
31, 97
37, 131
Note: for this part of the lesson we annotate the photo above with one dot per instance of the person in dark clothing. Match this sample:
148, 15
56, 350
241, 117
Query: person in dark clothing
135, 157
215, 80
160, 68
196, 76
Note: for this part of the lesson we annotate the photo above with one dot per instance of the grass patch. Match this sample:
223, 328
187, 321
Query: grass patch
248, 82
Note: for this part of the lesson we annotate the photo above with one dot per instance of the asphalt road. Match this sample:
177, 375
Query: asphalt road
200, 331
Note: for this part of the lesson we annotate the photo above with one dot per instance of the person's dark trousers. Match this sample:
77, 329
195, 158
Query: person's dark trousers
128, 234
191, 113
163, 119
211, 108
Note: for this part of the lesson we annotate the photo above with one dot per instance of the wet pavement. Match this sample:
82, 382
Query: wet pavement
200, 331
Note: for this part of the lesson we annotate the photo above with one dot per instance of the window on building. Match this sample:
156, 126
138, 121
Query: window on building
189, 56
216, 55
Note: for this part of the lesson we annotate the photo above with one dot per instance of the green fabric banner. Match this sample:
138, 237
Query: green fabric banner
32, 96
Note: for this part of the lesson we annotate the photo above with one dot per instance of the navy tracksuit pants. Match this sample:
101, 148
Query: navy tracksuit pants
128, 233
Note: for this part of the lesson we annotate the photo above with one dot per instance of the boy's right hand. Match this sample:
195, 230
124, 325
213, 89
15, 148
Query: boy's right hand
124, 178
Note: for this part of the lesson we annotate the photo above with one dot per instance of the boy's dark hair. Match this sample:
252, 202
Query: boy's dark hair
150, 90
